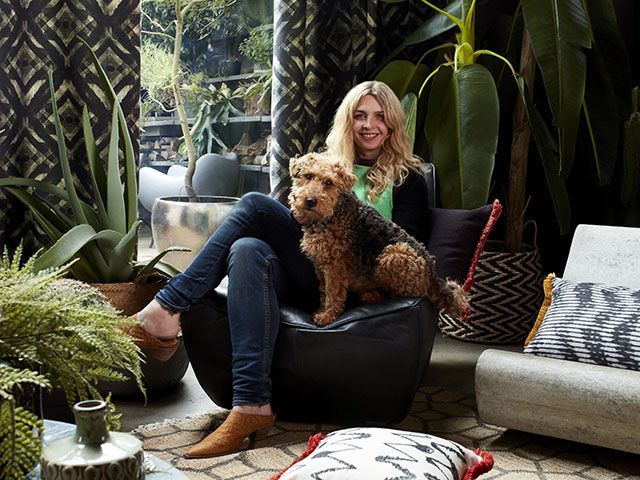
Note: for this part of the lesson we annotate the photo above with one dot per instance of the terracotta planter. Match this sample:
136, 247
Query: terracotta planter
129, 297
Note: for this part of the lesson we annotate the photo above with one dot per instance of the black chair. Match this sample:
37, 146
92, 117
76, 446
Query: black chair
366, 366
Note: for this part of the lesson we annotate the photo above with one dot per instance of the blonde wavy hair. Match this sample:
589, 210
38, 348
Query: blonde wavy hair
396, 159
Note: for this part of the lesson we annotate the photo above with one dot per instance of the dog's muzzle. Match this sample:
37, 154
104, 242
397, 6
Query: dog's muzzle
311, 202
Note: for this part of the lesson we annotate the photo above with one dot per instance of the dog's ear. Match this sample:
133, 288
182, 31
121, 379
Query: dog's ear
295, 166
343, 172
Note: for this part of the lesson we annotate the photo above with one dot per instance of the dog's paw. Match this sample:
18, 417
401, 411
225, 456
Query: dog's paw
322, 319
372, 296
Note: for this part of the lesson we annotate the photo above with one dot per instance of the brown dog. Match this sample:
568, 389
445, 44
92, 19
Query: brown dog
355, 248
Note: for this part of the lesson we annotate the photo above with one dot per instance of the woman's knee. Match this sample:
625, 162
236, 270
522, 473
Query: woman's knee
255, 199
248, 251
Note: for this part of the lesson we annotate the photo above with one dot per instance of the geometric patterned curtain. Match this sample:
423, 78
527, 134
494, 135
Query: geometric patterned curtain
37, 35
322, 48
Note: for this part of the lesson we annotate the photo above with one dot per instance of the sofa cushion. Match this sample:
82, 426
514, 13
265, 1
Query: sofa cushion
590, 323
380, 453
453, 238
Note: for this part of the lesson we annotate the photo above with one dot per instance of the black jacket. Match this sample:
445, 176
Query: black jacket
411, 206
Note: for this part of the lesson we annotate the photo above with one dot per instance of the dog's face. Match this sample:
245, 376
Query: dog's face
318, 181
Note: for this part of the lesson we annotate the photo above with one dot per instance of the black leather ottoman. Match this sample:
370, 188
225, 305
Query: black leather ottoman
366, 366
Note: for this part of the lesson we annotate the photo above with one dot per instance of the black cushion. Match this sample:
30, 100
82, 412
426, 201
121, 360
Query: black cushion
453, 238
366, 366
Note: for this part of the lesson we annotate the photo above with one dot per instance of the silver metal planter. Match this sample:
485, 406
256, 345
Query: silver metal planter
175, 221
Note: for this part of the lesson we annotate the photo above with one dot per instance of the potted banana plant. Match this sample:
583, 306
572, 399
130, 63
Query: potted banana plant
581, 72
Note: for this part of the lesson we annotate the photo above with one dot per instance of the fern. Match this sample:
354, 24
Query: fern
20, 430
53, 331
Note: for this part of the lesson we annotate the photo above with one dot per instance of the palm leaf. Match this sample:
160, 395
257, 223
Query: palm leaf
410, 106
559, 31
548, 150
601, 118
462, 132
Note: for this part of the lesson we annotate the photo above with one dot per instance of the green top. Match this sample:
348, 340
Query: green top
384, 203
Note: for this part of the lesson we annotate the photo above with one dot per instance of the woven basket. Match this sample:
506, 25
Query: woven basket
505, 298
129, 297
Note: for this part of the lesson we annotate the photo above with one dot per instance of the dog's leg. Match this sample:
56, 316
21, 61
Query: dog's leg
335, 280
367, 290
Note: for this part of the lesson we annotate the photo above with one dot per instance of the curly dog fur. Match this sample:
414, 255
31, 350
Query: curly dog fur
354, 248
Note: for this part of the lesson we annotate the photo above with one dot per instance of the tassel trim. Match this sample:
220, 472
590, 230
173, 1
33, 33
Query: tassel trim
478, 469
314, 441
496, 211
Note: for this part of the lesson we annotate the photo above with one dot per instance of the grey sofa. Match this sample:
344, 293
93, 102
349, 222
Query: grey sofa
570, 400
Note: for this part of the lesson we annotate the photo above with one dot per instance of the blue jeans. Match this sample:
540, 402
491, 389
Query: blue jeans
258, 247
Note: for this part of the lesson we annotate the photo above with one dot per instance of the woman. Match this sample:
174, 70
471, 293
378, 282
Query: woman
258, 247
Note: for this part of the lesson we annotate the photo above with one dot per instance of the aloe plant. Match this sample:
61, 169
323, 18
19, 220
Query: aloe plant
102, 236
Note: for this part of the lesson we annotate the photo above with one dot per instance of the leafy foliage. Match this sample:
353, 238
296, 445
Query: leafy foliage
53, 331
102, 237
257, 94
577, 50
215, 106
258, 46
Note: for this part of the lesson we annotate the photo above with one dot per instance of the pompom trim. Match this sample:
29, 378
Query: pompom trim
478, 469
314, 441
496, 211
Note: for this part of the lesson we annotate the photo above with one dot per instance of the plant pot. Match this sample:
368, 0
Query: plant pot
505, 298
175, 221
130, 298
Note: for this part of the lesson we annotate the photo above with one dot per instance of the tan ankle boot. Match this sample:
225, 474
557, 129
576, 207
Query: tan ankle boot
229, 436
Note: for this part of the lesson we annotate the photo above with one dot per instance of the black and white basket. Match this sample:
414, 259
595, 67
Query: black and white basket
505, 298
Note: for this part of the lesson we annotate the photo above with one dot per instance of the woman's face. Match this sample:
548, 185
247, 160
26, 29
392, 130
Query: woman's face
369, 128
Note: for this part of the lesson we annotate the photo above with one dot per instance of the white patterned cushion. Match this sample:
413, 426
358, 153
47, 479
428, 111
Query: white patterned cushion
590, 323
380, 453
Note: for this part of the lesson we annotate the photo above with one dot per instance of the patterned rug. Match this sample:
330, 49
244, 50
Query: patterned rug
518, 455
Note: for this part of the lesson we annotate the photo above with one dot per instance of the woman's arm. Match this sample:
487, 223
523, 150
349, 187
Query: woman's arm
411, 207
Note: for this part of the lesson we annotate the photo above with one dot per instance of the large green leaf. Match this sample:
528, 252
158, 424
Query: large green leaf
74, 200
403, 76
96, 169
120, 262
601, 118
610, 47
71, 243
130, 189
115, 195
559, 31
410, 106
462, 132
51, 222
548, 150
